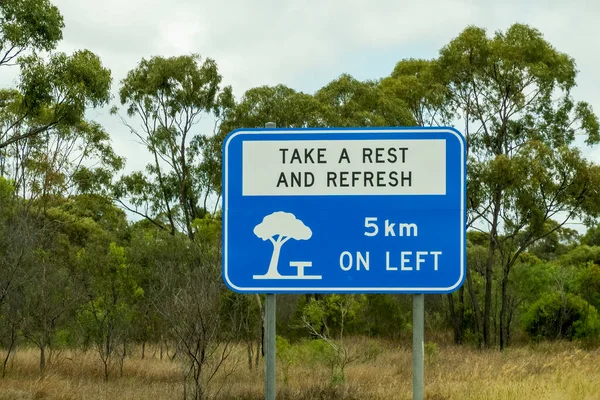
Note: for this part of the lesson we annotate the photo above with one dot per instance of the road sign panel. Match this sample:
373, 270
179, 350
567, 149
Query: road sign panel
364, 210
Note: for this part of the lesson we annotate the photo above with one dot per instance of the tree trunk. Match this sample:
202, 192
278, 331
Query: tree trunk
106, 359
143, 349
250, 351
262, 328
13, 340
185, 387
165, 197
122, 359
105, 370
452, 314
197, 374
475, 304
460, 317
508, 323
262, 352
42, 358
503, 306
186, 213
489, 271
457, 316
262, 340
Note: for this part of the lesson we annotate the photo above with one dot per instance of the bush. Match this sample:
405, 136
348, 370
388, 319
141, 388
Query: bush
287, 355
432, 352
386, 316
558, 315
588, 284
311, 352
370, 350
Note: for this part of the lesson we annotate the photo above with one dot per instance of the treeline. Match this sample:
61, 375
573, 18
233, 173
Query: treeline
75, 272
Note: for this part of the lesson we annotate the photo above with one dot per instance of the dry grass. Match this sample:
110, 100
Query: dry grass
75, 375
547, 371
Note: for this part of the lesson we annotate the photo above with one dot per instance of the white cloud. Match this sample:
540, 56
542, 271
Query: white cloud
259, 42
271, 41
306, 43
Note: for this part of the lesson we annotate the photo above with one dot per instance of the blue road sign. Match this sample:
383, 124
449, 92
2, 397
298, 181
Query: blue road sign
365, 210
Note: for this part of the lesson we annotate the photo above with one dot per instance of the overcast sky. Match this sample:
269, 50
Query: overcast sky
307, 43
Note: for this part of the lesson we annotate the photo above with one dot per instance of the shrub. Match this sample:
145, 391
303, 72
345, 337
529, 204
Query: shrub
432, 352
557, 315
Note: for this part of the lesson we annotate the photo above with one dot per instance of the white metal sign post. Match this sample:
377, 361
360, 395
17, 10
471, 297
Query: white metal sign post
270, 336
418, 345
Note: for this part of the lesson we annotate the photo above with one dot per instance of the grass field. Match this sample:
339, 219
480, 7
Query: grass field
547, 371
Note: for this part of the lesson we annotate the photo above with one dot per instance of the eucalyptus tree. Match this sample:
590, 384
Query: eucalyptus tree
346, 101
169, 96
45, 141
513, 92
28, 25
417, 88
44, 135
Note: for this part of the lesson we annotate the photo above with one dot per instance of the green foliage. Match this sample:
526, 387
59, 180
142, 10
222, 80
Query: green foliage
280, 104
169, 96
477, 238
241, 314
417, 88
59, 90
286, 355
28, 24
313, 352
587, 284
6, 191
113, 290
47, 112
182, 83
555, 244
557, 315
580, 255
591, 236
350, 102
66, 338
432, 352
322, 318
345, 101
84, 222
334, 313
384, 315
208, 228
503, 68
534, 278
45, 310
513, 91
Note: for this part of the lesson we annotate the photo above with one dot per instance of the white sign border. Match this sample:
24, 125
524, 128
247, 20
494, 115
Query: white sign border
388, 290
